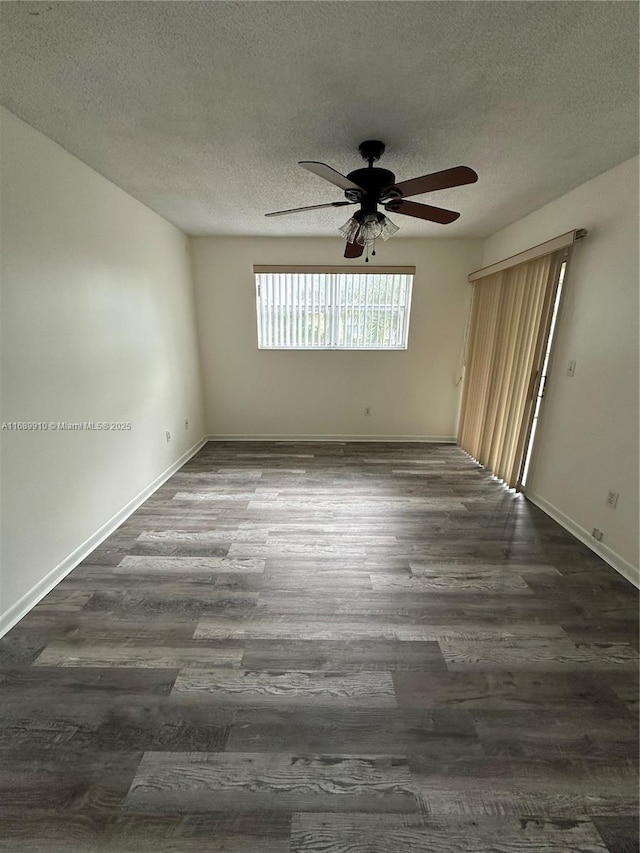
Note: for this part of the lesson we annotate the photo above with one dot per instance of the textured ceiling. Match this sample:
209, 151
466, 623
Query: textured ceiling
201, 110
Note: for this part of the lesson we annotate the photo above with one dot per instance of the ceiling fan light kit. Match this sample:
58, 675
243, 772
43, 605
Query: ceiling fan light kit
364, 228
372, 186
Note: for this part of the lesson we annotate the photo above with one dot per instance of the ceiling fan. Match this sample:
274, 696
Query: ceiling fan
373, 186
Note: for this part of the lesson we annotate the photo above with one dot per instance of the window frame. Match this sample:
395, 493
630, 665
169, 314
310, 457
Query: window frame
259, 269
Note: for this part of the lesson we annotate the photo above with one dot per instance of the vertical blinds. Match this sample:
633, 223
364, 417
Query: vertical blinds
509, 324
321, 310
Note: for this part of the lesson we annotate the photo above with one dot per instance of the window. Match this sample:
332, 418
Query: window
543, 377
330, 308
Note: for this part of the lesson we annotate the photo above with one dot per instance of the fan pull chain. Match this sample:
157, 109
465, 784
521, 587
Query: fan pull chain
373, 251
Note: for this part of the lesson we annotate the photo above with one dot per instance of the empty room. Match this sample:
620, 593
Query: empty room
319, 427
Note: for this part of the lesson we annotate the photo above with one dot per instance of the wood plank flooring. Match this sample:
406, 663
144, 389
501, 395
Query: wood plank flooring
326, 648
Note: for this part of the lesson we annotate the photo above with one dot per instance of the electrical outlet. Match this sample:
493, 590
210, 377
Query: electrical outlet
186, 423
597, 534
571, 368
612, 499
367, 412
168, 435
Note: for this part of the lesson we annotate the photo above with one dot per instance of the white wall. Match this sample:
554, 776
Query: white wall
250, 392
97, 325
588, 440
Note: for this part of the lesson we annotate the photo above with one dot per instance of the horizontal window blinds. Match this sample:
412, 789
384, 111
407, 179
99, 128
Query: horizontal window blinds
510, 316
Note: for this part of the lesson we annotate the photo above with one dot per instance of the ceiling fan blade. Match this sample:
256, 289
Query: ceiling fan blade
311, 207
329, 174
455, 177
353, 250
422, 211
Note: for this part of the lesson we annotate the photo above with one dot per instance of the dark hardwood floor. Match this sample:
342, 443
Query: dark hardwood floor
326, 648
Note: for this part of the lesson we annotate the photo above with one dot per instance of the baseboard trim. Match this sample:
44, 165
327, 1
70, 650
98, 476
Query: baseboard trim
622, 566
418, 439
29, 600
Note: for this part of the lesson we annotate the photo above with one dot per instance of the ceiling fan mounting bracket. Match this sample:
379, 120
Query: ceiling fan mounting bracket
371, 150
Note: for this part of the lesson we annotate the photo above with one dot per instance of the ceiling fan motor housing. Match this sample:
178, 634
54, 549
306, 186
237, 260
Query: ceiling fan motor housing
372, 181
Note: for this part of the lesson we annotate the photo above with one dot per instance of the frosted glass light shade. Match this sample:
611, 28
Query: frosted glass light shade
389, 228
366, 231
349, 229
370, 230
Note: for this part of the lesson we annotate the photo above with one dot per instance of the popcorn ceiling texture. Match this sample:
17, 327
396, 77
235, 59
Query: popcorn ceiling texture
201, 110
